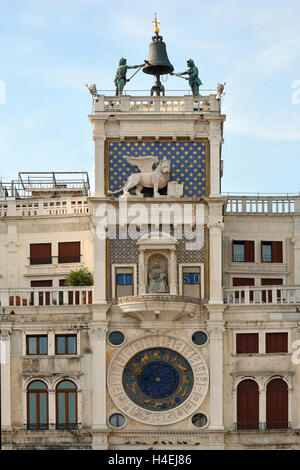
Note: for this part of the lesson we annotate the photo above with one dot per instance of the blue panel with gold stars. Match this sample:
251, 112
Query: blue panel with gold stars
188, 163
158, 379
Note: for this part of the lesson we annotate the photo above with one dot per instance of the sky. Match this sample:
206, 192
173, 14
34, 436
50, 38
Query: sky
49, 50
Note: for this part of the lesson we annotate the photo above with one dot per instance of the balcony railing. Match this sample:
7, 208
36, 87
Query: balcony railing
156, 104
52, 426
46, 296
263, 204
38, 207
273, 295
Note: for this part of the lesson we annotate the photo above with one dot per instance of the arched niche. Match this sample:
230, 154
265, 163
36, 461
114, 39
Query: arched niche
157, 264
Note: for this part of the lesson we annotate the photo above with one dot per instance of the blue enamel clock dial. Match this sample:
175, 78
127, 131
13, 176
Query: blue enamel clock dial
158, 379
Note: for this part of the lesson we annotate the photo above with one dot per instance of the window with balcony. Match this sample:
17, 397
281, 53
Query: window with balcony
65, 344
243, 282
267, 295
43, 297
243, 251
271, 252
69, 252
40, 253
37, 344
246, 343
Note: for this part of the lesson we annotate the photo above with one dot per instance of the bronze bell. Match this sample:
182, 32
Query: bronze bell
158, 62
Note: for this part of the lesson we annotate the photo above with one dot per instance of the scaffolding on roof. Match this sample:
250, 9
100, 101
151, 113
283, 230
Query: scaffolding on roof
46, 184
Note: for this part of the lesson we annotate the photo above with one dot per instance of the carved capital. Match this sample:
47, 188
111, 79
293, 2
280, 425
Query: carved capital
99, 333
215, 227
216, 331
12, 245
5, 335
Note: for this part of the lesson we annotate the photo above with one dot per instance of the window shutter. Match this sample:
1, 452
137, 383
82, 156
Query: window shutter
276, 342
40, 253
249, 249
69, 252
277, 252
247, 405
247, 343
277, 404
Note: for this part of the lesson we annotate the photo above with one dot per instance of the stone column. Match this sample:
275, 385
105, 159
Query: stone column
215, 140
98, 334
215, 227
52, 408
262, 405
215, 330
5, 335
142, 281
99, 243
99, 141
173, 283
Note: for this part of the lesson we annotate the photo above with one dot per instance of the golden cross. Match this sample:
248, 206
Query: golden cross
156, 30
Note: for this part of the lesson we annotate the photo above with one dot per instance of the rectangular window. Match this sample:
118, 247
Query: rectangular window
124, 285
40, 253
69, 252
243, 251
276, 342
191, 281
37, 345
246, 343
267, 294
271, 252
65, 344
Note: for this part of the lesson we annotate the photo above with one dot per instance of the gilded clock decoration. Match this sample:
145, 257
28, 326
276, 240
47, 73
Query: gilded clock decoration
158, 379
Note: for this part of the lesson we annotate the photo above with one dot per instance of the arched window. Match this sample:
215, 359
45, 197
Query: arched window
37, 405
66, 405
277, 404
248, 405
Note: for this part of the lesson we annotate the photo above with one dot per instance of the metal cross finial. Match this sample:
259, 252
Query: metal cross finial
156, 30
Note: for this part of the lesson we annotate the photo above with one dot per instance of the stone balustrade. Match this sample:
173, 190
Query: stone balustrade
45, 296
271, 295
160, 104
263, 204
39, 207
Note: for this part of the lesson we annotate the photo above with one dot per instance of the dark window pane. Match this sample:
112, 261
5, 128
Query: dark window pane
239, 252
267, 252
43, 408
32, 345
32, 408
37, 385
66, 384
276, 343
71, 345
43, 345
72, 407
61, 345
61, 408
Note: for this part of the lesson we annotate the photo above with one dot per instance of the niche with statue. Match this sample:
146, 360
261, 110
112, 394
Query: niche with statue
157, 275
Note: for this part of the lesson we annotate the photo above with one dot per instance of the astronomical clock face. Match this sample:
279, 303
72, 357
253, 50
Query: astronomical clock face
157, 380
